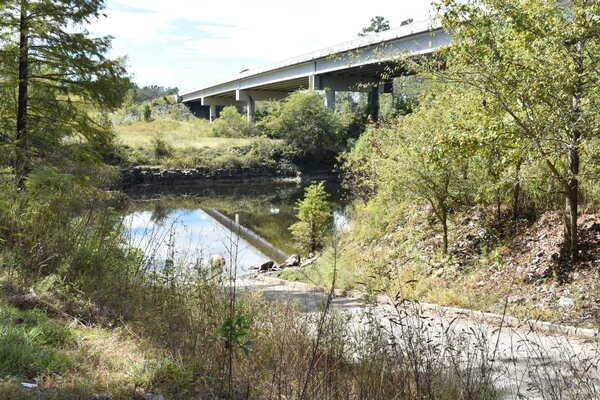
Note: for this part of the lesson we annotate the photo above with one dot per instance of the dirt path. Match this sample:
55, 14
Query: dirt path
524, 358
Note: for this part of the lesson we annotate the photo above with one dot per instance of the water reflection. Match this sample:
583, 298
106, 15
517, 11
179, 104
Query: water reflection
189, 236
194, 223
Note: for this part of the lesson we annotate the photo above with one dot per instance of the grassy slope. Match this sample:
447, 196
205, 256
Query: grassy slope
181, 135
67, 357
190, 144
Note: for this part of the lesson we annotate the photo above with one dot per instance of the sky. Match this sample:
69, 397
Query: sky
192, 43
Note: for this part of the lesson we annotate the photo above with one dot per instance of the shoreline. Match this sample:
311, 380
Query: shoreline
142, 177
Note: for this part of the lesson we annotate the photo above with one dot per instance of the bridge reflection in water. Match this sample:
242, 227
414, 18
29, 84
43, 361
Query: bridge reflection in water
193, 236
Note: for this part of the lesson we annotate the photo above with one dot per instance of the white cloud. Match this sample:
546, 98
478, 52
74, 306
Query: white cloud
191, 42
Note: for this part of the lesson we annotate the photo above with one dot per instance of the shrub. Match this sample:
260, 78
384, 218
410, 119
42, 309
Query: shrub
147, 113
232, 124
27, 344
314, 213
162, 149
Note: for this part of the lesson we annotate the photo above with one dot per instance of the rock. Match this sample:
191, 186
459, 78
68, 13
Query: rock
309, 261
292, 261
28, 385
266, 266
565, 302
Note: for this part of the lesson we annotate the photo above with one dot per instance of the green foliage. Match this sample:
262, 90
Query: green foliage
58, 84
232, 124
233, 333
161, 148
314, 213
45, 228
27, 344
147, 113
305, 123
168, 373
142, 94
536, 64
352, 118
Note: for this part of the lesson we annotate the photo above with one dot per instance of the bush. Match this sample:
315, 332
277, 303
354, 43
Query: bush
147, 113
303, 121
232, 124
161, 148
27, 344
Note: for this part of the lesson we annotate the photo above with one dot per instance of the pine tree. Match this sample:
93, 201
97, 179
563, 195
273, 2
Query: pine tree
56, 79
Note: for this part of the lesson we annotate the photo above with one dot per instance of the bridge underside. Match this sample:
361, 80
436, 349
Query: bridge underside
362, 65
372, 78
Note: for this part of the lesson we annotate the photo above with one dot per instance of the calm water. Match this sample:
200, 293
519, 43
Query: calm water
195, 223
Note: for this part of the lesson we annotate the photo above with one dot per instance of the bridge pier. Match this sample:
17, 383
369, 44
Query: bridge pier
330, 99
212, 113
250, 109
373, 103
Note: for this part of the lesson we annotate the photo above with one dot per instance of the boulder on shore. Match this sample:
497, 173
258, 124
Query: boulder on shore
309, 261
292, 261
266, 266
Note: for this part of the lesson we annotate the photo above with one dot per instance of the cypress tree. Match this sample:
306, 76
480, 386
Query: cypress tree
56, 79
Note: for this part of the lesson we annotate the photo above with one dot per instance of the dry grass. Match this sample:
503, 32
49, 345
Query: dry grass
180, 135
190, 144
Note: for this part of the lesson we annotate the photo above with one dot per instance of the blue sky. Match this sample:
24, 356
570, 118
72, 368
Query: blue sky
191, 43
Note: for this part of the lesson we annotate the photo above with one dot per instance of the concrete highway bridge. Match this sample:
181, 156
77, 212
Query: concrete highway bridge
365, 64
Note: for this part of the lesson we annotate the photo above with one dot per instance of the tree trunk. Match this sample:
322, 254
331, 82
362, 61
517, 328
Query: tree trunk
572, 205
517, 191
445, 227
21, 166
572, 187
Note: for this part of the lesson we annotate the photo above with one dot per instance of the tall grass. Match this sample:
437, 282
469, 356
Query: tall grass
190, 144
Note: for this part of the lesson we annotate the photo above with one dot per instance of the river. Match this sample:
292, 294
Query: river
192, 224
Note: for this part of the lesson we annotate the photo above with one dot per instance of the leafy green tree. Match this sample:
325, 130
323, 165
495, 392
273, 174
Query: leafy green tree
538, 62
352, 117
378, 24
151, 92
305, 123
314, 213
426, 156
53, 73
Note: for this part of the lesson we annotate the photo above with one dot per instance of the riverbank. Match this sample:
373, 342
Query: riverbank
156, 175
513, 270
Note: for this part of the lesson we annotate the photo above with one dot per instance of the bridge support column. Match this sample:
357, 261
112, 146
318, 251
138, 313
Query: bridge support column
373, 103
212, 115
250, 108
330, 99
249, 98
